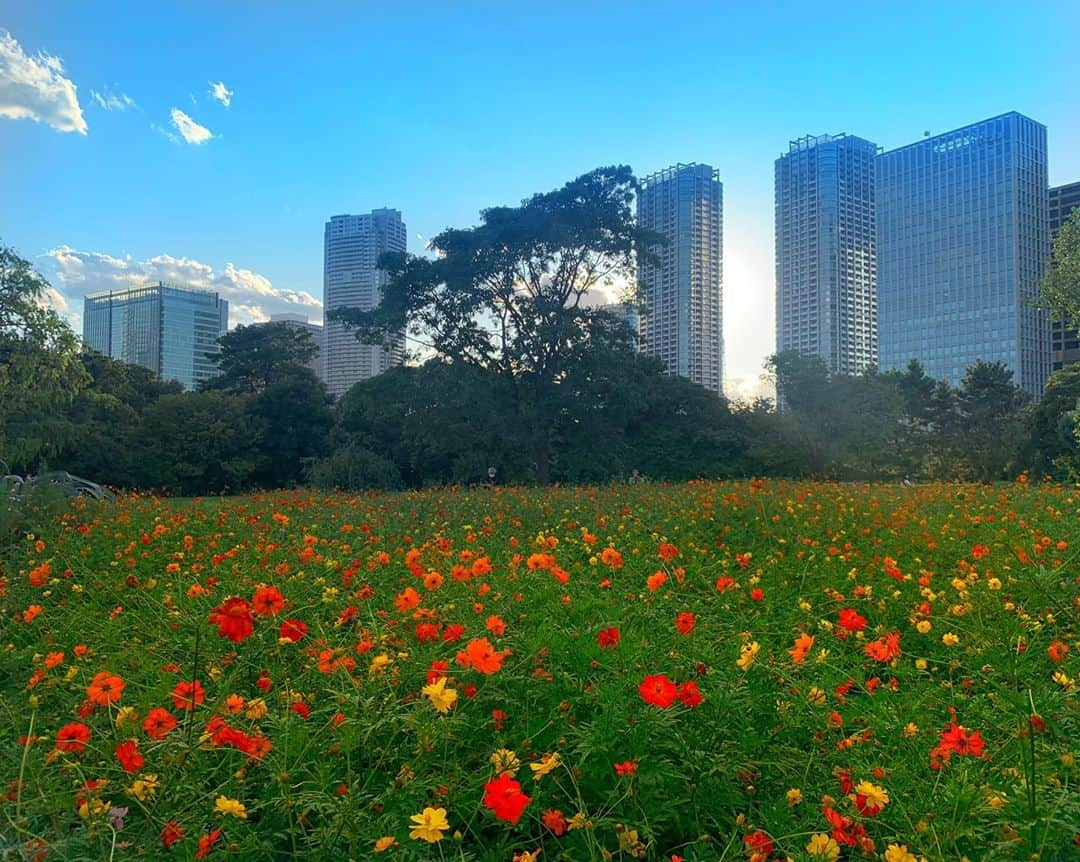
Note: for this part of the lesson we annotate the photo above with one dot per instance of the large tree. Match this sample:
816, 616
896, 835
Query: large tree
253, 358
509, 295
1060, 288
40, 370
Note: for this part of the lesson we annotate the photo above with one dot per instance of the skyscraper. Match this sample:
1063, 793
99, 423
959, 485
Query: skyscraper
168, 328
826, 269
682, 289
351, 278
962, 243
1064, 336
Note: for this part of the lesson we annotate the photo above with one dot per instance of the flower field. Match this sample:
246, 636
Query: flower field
760, 670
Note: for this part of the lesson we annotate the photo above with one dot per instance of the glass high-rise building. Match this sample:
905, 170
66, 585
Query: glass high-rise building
300, 321
682, 320
963, 240
1064, 335
351, 278
168, 328
826, 268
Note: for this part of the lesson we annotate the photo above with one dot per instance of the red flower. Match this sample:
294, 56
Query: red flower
128, 755
608, 637
555, 821
72, 737
658, 691
503, 796
301, 709
668, 552
293, 630
233, 619
958, 740
172, 833
685, 622
187, 694
206, 844
159, 722
757, 594
851, 620
758, 842
105, 688
626, 768
722, 583
268, 601
690, 695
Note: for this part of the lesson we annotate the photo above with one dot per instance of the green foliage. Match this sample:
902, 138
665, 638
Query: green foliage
1060, 288
253, 358
199, 443
39, 366
1053, 444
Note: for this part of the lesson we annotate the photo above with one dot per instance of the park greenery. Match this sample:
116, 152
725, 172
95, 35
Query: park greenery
522, 373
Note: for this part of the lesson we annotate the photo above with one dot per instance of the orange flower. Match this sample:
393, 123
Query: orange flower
207, 842
668, 552
407, 600
187, 694
803, 644
128, 755
655, 581
480, 655
495, 625
105, 688
884, 649
610, 557
1057, 651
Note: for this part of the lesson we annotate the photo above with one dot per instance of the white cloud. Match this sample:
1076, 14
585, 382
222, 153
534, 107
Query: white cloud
34, 88
222, 93
252, 297
111, 101
189, 130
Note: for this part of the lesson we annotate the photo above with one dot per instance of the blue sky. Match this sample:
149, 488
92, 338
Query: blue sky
440, 109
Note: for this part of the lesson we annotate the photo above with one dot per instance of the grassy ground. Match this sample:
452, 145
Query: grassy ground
701, 671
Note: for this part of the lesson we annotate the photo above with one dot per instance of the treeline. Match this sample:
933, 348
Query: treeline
525, 376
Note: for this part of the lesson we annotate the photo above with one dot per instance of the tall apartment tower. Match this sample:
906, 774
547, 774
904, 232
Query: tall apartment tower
682, 288
168, 328
1064, 335
963, 239
826, 266
351, 278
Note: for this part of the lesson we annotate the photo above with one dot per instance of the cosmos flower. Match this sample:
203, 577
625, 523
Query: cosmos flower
429, 825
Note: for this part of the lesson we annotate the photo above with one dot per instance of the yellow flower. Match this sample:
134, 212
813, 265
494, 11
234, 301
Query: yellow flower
223, 805
441, 697
876, 797
920, 664
747, 654
125, 714
256, 708
824, 846
429, 825
144, 788
994, 584
505, 762
899, 853
385, 843
950, 639
794, 796
911, 729
816, 695
545, 765
923, 626
379, 664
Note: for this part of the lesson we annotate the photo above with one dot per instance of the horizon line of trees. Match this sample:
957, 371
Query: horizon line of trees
524, 376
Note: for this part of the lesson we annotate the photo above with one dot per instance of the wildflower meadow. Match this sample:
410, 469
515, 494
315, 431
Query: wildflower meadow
702, 671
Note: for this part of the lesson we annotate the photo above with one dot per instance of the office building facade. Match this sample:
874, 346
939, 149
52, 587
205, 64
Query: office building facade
351, 278
1064, 335
168, 328
962, 241
681, 286
826, 267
